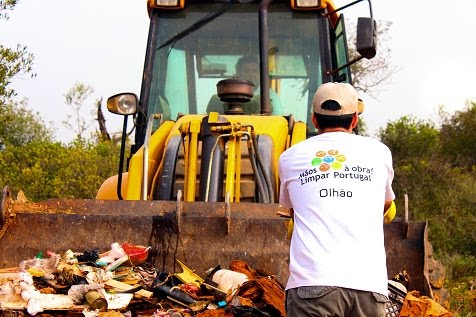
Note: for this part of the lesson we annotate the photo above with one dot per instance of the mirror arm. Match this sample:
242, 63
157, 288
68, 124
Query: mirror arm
348, 5
333, 71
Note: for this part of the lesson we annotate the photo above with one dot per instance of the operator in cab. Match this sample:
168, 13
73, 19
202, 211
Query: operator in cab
247, 68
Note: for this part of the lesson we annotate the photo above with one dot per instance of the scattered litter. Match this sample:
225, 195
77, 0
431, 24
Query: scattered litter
120, 282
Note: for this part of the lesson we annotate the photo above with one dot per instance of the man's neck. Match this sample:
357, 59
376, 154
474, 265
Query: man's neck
338, 129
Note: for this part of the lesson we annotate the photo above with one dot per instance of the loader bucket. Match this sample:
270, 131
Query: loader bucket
200, 234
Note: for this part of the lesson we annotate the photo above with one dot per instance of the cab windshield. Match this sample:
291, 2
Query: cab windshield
197, 47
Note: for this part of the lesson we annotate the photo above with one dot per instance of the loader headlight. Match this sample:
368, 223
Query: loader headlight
305, 4
167, 4
123, 104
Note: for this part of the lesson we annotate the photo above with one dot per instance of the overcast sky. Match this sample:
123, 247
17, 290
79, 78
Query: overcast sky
102, 44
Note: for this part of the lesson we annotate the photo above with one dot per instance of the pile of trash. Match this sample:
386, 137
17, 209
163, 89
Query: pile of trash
122, 281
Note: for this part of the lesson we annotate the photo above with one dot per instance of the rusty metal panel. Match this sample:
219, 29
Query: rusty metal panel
407, 247
202, 235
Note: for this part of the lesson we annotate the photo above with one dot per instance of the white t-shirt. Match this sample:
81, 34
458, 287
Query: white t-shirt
337, 183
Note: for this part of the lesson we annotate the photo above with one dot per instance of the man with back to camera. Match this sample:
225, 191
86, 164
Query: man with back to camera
247, 67
338, 185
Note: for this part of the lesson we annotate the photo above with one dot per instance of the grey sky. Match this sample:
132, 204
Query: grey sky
99, 43
102, 44
433, 45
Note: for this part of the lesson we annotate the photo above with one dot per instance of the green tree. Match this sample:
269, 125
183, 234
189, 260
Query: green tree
20, 125
84, 169
362, 127
458, 136
31, 168
6, 5
412, 143
409, 138
443, 196
438, 192
46, 170
13, 62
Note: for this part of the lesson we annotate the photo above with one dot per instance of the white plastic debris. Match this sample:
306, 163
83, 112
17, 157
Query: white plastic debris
229, 280
33, 307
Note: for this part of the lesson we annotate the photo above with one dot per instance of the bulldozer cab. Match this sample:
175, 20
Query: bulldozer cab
195, 63
191, 49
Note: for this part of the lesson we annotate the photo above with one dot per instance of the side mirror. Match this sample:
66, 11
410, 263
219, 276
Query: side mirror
123, 104
367, 37
366, 44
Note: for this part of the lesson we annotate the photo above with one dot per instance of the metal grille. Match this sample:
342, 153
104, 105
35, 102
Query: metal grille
395, 302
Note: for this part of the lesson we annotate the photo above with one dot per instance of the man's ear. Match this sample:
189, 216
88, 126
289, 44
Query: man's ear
314, 121
355, 120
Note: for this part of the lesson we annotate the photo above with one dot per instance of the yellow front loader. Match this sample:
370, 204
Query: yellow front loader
201, 186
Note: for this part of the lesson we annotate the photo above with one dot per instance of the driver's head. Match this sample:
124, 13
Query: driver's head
247, 68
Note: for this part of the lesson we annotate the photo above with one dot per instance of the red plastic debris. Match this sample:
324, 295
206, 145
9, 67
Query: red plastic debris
137, 253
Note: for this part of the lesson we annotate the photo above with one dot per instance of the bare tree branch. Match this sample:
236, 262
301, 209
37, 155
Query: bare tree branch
75, 98
102, 121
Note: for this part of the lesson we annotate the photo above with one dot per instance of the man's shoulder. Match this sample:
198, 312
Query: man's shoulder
298, 147
373, 141
371, 145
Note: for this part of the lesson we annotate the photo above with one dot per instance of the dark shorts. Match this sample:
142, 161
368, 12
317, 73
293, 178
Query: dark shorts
331, 301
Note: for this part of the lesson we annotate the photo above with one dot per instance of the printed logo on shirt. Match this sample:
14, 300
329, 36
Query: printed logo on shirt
332, 164
327, 160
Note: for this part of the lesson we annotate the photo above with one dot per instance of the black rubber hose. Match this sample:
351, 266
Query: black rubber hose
259, 181
267, 177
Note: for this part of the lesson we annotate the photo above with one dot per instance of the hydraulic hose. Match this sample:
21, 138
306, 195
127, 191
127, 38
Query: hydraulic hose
210, 162
259, 182
265, 171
